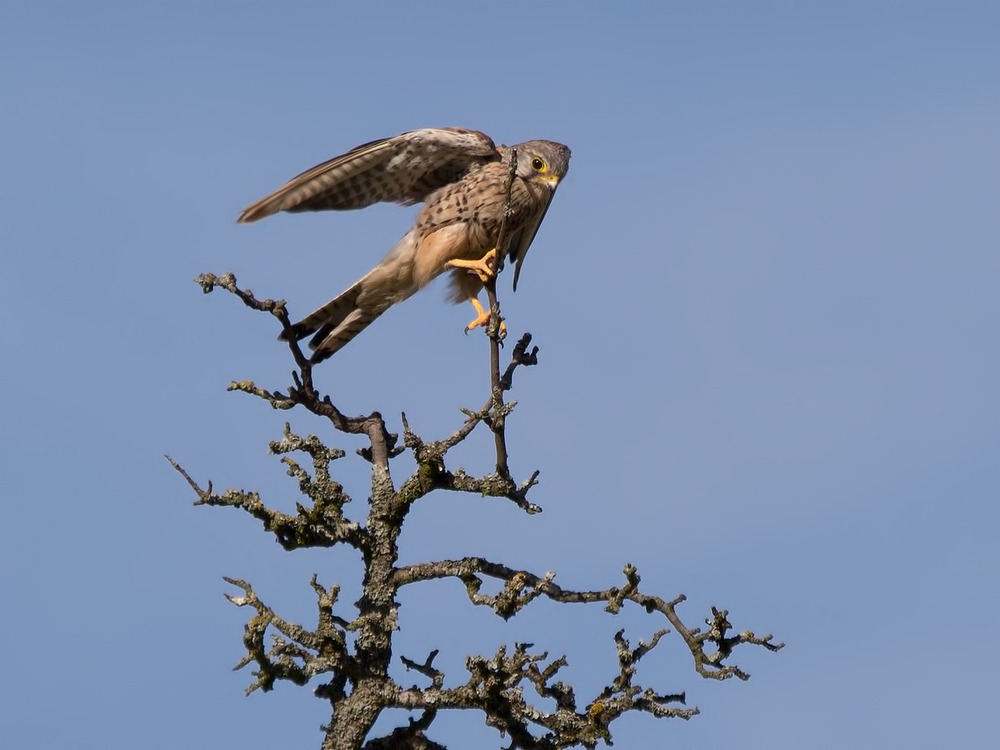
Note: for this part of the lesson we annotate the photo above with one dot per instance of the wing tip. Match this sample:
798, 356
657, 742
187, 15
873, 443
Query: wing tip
254, 213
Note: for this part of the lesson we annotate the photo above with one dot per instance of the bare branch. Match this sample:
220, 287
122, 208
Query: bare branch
411, 737
496, 424
436, 676
520, 357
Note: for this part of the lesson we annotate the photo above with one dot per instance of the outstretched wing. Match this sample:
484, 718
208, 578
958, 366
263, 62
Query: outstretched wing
404, 169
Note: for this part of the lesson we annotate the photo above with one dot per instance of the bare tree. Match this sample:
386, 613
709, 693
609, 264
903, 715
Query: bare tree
356, 669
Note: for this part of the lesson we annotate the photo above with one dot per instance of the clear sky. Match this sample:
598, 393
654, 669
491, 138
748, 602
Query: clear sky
767, 303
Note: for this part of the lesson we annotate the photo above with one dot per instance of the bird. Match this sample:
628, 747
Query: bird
460, 175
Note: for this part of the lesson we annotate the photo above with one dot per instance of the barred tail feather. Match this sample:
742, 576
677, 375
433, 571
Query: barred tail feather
331, 338
344, 317
334, 324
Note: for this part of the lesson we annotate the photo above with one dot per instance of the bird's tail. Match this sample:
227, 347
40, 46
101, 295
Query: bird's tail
334, 324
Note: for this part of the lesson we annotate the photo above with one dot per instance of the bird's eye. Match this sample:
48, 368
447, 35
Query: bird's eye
538, 165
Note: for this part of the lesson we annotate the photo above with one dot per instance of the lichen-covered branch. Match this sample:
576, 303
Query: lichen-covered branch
521, 587
320, 525
296, 654
496, 686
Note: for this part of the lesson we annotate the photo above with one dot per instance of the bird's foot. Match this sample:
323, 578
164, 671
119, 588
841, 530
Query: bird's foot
483, 318
483, 268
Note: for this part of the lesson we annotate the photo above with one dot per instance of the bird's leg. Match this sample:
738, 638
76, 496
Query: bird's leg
483, 318
483, 267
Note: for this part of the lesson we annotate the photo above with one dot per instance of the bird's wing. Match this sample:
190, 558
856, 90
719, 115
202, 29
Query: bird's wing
403, 169
519, 244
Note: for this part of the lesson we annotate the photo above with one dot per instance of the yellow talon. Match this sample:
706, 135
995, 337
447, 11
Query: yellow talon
483, 318
483, 268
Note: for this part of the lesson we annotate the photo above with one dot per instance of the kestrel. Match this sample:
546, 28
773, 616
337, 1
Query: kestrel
461, 177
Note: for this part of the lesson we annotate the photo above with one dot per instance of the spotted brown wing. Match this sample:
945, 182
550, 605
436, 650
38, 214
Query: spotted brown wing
403, 169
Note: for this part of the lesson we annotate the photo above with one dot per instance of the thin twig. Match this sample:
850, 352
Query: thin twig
493, 329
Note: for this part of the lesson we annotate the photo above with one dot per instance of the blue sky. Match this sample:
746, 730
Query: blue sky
766, 298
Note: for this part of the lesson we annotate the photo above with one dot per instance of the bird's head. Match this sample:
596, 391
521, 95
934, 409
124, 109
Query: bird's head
542, 161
